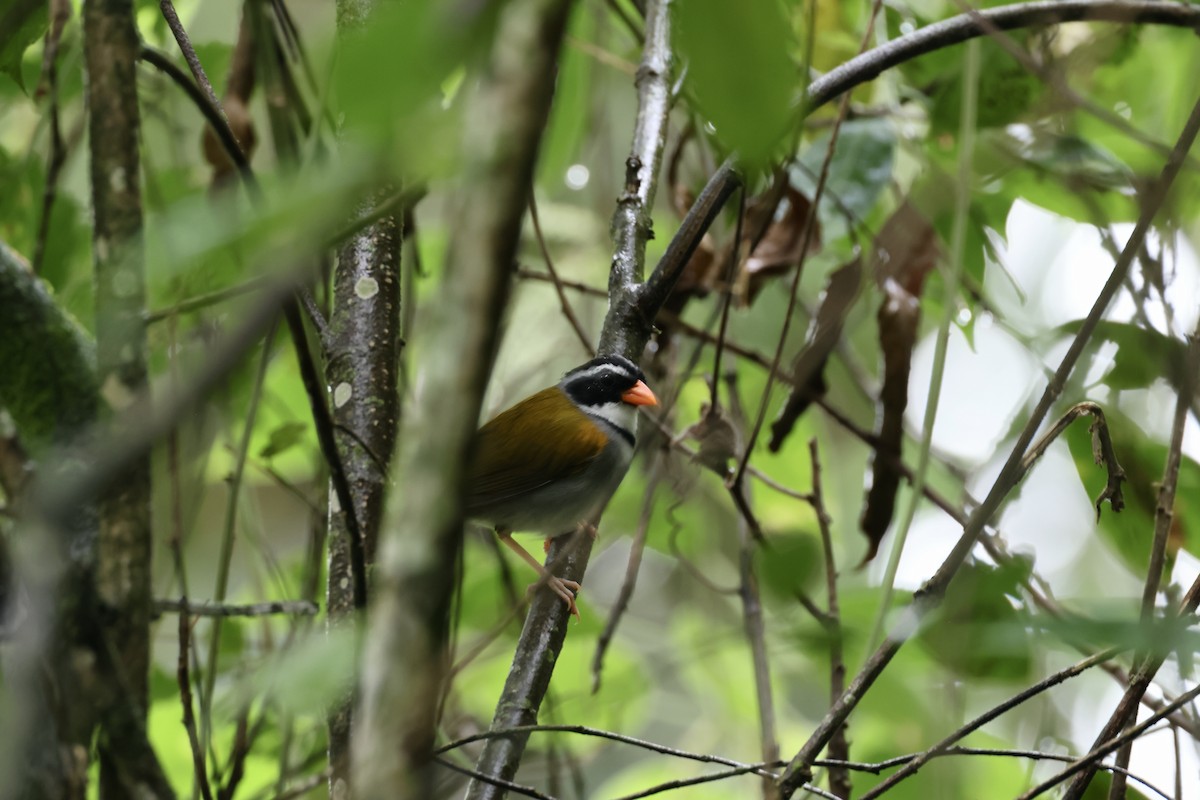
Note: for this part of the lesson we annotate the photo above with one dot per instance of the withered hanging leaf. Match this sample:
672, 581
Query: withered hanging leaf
717, 438
905, 252
781, 245
775, 218
906, 249
239, 87
808, 368
242, 126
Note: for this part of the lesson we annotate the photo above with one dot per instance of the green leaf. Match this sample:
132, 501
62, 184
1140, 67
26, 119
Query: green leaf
740, 74
283, 438
395, 75
1101, 786
21, 24
305, 677
1143, 356
1006, 91
1068, 175
789, 564
859, 172
977, 632
1110, 628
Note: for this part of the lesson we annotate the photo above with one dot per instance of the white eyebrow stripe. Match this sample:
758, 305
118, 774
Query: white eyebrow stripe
597, 371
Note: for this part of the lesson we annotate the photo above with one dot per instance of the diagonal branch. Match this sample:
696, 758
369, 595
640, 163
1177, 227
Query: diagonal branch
626, 331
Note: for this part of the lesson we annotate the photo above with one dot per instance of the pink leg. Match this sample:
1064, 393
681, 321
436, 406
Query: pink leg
563, 588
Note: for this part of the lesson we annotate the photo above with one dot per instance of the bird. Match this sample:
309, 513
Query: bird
551, 462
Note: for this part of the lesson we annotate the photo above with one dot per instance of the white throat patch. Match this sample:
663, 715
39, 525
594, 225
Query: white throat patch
619, 415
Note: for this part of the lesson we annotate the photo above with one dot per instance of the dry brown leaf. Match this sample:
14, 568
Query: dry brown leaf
781, 246
777, 252
906, 250
717, 437
808, 368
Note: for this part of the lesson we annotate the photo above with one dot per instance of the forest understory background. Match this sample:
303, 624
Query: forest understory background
915, 283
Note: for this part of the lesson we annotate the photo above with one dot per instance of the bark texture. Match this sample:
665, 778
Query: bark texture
122, 577
364, 357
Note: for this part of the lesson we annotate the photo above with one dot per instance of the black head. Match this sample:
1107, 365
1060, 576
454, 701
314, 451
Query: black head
601, 381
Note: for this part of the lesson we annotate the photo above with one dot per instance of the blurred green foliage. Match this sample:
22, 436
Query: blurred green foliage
679, 670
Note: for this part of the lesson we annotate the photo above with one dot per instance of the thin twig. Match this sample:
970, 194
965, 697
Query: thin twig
316, 317
831, 620
716, 776
915, 762
1091, 760
636, 549
952, 279
229, 536
237, 755
300, 608
303, 787
185, 698
526, 791
748, 592
1105, 453
578, 286
1034, 755
211, 111
189, 52
956, 30
734, 258
563, 302
200, 301
60, 13
584, 730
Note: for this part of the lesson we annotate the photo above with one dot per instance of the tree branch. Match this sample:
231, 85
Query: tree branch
626, 331
405, 643
299, 608
957, 30
123, 549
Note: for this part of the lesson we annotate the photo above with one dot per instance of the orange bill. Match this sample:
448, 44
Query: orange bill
639, 395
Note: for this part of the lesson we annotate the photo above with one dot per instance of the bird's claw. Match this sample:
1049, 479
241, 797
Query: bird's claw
566, 589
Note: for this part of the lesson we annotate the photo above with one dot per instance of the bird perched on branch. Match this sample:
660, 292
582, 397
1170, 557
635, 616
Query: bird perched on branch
550, 463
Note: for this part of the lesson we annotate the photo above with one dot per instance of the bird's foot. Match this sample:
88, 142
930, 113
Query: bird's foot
566, 589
